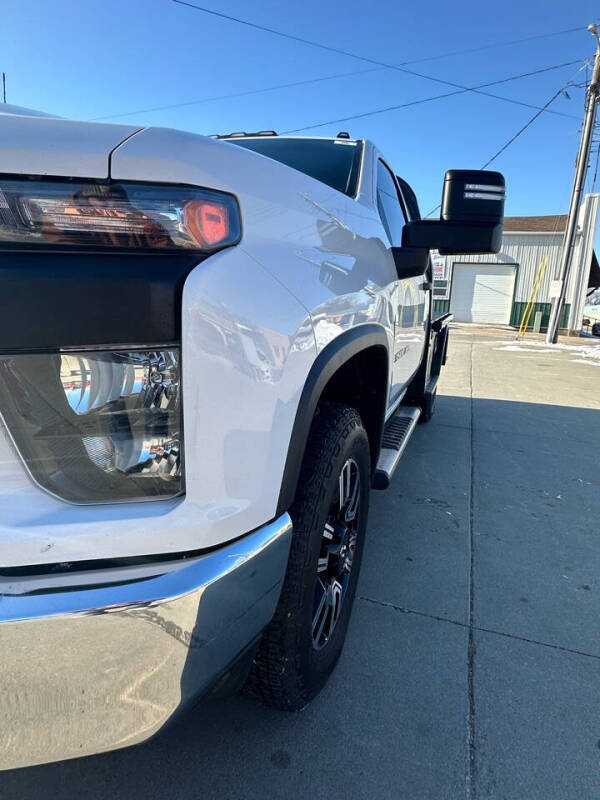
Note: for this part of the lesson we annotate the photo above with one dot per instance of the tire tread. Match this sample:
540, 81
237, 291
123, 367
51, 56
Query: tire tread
273, 680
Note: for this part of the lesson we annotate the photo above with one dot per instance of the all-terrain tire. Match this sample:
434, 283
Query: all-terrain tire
289, 670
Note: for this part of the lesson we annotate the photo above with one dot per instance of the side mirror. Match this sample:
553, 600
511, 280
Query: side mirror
471, 219
410, 261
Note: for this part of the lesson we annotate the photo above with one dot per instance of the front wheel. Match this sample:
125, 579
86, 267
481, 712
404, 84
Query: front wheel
302, 644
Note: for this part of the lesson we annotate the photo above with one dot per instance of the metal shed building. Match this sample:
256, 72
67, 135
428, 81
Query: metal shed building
495, 289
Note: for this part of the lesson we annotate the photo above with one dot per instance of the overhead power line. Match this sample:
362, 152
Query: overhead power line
521, 130
274, 31
466, 51
265, 89
238, 94
441, 96
596, 167
308, 81
332, 49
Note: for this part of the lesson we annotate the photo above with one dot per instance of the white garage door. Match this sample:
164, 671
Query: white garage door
482, 292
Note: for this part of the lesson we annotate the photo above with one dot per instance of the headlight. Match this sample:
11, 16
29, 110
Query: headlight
125, 216
97, 427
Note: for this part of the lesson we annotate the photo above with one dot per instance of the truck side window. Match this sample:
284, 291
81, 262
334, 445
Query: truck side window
388, 204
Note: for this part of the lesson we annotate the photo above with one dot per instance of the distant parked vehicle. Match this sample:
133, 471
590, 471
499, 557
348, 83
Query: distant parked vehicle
596, 329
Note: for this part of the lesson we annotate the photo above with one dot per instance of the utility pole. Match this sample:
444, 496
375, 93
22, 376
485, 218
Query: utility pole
583, 157
4, 86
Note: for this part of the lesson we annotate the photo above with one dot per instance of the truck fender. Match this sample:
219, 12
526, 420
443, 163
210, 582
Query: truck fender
336, 353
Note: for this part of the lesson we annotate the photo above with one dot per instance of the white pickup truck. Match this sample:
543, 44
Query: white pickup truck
211, 349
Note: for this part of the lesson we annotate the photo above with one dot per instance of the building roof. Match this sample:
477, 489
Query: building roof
551, 223
594, 279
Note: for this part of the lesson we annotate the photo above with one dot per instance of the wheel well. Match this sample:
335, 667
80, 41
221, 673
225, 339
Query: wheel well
351, 369
362, 382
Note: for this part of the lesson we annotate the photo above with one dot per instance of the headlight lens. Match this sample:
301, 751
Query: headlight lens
123, 216
97, 427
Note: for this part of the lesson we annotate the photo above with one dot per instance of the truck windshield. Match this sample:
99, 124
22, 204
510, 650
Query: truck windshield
333, 162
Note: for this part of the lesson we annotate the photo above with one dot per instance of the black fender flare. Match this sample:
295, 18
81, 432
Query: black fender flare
333, 356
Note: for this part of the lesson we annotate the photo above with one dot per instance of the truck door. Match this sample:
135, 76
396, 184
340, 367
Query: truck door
408, 297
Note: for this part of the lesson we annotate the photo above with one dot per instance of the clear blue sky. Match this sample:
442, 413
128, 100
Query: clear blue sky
107, 57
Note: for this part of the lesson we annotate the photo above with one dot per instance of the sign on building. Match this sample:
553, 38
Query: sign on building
441, 283
439, 266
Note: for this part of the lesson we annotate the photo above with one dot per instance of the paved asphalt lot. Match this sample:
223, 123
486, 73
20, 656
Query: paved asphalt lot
472, 666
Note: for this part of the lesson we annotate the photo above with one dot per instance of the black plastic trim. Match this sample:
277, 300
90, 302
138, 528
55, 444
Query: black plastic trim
326, 364
353, 178
442, 321
56, 300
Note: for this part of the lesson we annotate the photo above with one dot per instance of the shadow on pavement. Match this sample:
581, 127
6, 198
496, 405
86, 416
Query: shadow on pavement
392, 722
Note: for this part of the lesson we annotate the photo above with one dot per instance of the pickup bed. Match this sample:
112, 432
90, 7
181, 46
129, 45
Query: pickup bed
211, 349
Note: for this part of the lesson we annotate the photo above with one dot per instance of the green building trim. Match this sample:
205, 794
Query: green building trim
518, 310
440, 307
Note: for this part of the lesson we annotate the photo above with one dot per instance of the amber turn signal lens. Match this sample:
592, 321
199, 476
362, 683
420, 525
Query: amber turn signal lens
206, 222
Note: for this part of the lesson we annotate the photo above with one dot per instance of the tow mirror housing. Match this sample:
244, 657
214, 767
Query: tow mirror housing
410, 261
471, 218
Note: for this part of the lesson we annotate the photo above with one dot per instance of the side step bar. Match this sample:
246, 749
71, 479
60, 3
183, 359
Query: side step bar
396, 434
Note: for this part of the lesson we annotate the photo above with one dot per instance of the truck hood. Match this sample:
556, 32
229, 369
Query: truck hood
48, 146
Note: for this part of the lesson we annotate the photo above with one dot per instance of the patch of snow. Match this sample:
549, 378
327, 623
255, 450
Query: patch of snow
517, 348
585, 361
584, 351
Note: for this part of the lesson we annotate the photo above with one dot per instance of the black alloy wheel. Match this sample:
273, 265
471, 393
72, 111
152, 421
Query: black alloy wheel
338, 547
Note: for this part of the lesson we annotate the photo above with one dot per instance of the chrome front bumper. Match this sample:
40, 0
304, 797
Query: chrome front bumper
89, 669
